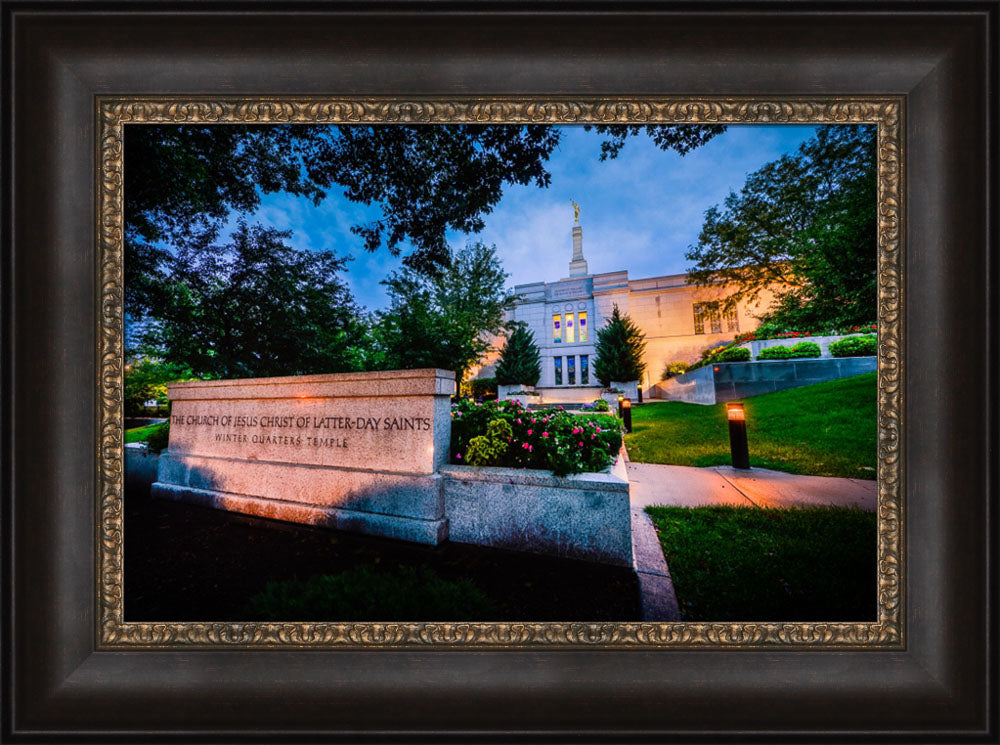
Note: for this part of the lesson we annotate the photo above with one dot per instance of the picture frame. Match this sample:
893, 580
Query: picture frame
62, 680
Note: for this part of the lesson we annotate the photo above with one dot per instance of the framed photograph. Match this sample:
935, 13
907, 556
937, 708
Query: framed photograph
461, 608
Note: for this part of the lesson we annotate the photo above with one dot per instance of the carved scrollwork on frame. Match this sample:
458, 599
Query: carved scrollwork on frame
886, 632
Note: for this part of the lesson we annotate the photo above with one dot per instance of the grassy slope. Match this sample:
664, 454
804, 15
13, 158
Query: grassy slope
140, 434
827, 429
748, 564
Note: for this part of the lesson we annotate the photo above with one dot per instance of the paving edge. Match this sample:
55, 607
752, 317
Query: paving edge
657, 598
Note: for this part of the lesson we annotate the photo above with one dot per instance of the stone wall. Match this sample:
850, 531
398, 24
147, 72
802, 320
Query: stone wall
584, 516
729, 381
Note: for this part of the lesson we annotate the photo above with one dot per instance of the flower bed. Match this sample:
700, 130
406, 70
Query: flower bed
503, 433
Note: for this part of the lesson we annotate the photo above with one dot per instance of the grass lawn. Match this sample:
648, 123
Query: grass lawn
748, 564
140, 434
826, 429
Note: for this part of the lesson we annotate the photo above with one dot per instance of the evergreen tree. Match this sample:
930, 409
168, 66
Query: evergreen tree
519, 363
620, 346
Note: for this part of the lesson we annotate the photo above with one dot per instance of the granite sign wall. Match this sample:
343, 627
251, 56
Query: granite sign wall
356, 451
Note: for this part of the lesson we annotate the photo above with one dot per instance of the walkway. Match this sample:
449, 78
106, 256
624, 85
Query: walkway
686, 486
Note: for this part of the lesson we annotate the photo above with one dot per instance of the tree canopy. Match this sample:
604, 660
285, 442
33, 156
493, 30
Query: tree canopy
805, 223
520, 361
620, 346
444, 320
255, 307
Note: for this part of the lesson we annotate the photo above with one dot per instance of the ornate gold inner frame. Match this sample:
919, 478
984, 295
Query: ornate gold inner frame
116, 113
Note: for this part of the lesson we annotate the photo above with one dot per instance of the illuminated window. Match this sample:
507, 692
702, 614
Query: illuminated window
558, 367
702, 313
584, 367
582, 323
571, 370
556, 329
570, 331
732, 322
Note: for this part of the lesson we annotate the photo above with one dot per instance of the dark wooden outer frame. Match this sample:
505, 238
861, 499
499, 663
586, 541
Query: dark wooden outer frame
58, 58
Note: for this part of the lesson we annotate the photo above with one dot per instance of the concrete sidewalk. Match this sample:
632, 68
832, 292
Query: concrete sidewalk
686, 486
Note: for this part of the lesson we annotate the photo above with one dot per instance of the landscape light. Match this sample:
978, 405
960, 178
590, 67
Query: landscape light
738, 447
627, 414
620, 399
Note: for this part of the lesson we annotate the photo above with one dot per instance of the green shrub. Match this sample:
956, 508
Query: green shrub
601, 405
674, 368
367, 594
802, 349
855, 346
733, 354
488, 449
483, 386
550, 439
158, 437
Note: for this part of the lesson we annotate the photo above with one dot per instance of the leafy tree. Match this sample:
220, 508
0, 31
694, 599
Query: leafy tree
520, 362
620, 346
444, 320
183, 181
146, 379
805, 223
256, 308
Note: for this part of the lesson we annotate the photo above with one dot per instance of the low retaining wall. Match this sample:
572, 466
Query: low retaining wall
140, 469
728, 381
584, 516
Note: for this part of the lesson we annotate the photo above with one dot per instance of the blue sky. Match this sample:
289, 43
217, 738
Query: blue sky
639, 212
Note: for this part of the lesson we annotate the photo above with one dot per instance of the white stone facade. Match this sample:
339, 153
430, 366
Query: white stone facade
664, 308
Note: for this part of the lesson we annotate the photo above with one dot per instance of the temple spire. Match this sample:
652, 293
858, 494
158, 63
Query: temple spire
578, 265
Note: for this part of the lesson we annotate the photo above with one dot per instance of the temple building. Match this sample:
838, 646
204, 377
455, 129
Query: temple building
564, 317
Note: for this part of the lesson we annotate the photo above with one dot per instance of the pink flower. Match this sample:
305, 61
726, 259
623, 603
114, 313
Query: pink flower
530, 431
526, 446
545, 434
530, 448
458, 457
592, 437
580, 443
518, 421
598, 429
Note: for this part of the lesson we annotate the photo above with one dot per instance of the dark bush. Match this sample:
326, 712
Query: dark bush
367, 594
159, 437
855, 346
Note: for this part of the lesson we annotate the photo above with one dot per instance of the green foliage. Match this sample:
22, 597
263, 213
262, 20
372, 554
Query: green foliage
802, 349
147, 379
483, 386
806, 221
364, 593
444, 320
520, 363
551, 439
733, 354
865, 345
620, 346
672, 369
159, 437
256, 308
826, 429
489, 449
601, 405
183, 182
740, 563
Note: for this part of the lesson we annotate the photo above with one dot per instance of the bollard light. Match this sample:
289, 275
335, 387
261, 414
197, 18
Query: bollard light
620, 399
738, 447
627, 414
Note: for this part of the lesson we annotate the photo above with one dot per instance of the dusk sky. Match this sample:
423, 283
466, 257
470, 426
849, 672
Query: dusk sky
639, 212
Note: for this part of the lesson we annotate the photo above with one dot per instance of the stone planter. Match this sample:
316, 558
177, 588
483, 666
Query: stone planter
583, 516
